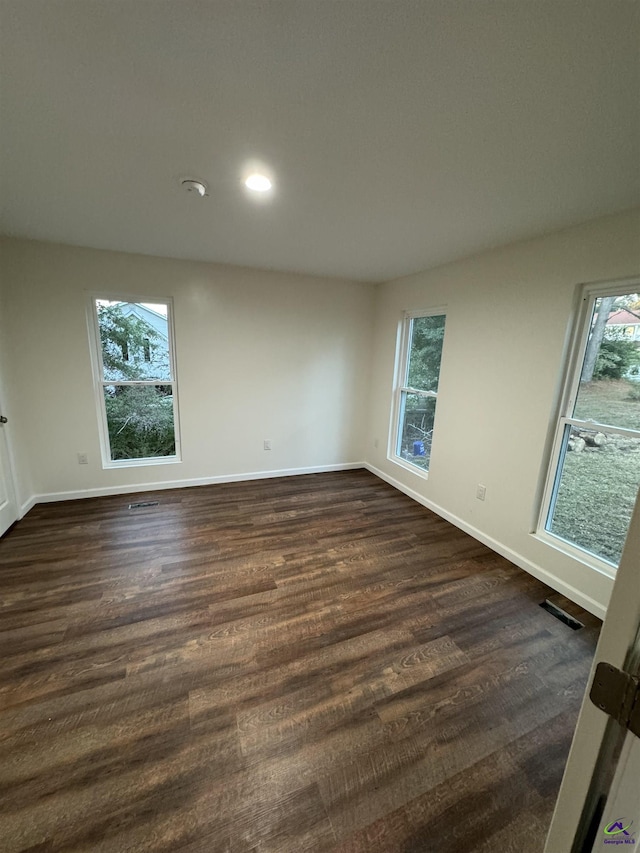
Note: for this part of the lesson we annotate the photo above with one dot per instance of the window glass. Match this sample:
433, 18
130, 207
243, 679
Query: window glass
417, 416
136, 379
596, 470
596, 491
134, 339
417, 391
140, 421
425, 355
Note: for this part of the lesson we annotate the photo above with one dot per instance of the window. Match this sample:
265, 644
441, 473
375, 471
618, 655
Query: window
135, 381
417, 389
595, 467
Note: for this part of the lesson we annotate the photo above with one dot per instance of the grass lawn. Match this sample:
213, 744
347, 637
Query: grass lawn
609, 401
598, 487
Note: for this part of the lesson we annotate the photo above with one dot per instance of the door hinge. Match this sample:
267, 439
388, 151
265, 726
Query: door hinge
617, 694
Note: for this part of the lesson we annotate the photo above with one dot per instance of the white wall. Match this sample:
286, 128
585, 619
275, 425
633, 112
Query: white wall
508, 313
259, 355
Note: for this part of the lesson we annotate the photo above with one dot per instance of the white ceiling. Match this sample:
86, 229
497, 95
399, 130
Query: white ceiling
401, 134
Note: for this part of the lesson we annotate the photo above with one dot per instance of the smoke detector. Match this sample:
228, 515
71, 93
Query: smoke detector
195, 187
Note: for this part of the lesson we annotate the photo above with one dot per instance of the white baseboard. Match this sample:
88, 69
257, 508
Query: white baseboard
538, 572
27, 505
50, 497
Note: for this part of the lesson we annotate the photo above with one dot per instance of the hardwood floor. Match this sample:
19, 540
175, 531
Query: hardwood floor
305, 664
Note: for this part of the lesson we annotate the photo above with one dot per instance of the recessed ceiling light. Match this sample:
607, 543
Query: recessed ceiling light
258, 183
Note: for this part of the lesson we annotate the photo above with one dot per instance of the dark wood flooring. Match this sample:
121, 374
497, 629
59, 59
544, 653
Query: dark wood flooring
305, 664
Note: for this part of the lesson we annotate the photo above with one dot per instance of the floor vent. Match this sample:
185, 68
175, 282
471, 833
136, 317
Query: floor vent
140, 504
560, 614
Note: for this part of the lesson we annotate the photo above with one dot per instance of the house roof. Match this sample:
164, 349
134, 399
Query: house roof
401, 134
147, 315
623, 318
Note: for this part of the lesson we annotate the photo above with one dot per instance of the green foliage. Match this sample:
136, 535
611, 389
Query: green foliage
140, 421
426, 352
615, 357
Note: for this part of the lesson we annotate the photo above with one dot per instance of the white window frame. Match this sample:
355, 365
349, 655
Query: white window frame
99, 382
405, 328
571, 386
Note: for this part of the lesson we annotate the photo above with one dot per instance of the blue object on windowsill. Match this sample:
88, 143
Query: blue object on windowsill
418, 448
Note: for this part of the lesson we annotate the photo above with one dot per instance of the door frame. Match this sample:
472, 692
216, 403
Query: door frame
597, 737
11, 463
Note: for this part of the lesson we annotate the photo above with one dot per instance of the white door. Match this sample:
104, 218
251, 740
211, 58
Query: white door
621, 818
599, 800
8, 506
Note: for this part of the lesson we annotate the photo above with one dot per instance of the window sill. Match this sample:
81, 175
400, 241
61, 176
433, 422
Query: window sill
142, 463
413, 469
584, 557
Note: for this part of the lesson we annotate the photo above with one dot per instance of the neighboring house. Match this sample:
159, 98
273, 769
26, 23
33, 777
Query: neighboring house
624, 324
154, 319
156, 353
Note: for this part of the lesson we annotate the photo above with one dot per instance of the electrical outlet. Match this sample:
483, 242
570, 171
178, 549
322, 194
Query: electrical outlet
267, 444
83, 458
481, 492
375, 442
